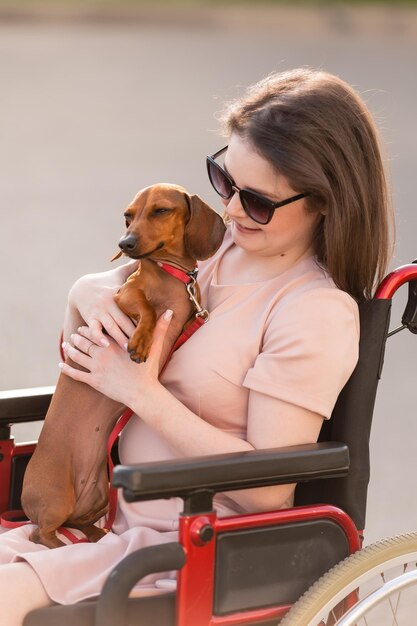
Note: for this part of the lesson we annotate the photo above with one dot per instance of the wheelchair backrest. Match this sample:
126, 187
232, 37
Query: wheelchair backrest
351, 419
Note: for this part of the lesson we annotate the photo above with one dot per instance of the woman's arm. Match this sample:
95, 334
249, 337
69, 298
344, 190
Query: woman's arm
91, 302
271, 423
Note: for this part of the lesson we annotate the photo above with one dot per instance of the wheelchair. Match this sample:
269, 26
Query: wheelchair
255, 569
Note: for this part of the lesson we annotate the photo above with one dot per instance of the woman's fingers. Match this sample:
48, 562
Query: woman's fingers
86, 343
114, 330
93, 336
123, 321
97, 335
111, 327
85, 331
158, 341
76, 355
83, 342
74, 373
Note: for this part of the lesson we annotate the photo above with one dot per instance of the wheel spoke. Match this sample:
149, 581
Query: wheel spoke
393, 610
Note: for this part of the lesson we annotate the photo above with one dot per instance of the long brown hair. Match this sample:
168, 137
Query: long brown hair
316, 131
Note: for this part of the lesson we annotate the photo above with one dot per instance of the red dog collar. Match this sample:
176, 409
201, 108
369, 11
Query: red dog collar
185, 277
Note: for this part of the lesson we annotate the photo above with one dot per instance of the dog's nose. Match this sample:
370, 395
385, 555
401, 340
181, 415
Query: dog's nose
128, 243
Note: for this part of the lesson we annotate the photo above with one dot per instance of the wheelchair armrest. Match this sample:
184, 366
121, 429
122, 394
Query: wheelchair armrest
24, 405
228, 472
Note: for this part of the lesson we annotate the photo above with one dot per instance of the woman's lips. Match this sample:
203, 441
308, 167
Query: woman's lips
244, 229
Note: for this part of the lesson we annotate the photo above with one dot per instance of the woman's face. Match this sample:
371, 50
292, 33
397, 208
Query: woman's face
290, 232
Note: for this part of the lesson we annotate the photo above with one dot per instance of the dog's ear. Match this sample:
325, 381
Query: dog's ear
204, 230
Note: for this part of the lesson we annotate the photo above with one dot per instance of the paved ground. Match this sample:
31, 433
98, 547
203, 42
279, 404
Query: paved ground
92, 110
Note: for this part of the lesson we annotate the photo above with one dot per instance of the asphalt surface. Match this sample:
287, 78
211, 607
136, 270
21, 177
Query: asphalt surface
94, 108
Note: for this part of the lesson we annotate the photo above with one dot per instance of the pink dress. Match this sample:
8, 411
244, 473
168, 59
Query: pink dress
293, 337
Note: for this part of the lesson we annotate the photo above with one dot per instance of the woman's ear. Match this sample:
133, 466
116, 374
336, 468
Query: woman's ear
204, 230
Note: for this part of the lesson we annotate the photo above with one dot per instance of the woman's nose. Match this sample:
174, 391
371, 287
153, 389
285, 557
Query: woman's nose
234, 207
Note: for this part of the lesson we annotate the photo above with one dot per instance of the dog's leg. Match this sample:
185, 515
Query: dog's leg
46, 538
70, 452
135, 304
93, 533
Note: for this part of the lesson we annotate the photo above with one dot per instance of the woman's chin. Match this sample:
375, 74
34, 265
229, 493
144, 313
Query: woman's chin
246, 238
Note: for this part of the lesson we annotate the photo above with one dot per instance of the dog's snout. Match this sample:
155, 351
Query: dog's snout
128, 243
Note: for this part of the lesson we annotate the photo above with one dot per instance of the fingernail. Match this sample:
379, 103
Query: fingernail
63, 344
125, 345
104, 343
168, 315
61, 365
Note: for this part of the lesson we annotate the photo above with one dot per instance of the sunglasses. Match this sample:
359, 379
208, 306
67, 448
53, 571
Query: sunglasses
256, 206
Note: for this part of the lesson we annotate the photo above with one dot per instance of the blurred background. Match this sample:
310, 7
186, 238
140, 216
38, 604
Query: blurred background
99, 99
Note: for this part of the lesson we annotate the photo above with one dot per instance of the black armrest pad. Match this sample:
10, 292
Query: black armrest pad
228, 472
24, 405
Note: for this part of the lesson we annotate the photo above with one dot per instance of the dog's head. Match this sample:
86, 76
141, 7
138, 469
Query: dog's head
164, 221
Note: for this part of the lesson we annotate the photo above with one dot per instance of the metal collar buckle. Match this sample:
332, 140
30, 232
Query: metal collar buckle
193, 274
192, 295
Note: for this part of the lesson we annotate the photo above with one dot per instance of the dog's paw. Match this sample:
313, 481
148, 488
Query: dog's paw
93, 533
139, 346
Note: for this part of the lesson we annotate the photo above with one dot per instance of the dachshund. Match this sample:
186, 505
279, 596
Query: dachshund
66, 482
166, 225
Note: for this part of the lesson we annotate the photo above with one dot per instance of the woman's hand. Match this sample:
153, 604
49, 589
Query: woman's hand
109, 369
91, 302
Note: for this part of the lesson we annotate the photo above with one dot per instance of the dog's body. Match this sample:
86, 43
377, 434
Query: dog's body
66, 482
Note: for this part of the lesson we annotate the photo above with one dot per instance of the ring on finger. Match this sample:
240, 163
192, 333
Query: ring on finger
89, 348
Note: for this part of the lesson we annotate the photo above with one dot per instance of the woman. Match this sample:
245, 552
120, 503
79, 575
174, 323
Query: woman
303, 186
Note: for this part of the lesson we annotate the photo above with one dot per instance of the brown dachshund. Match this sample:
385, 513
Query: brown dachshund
66, 482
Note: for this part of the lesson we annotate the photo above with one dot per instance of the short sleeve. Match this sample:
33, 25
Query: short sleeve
310, 348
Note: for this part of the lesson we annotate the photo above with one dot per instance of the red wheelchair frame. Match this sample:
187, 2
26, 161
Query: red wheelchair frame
246, 569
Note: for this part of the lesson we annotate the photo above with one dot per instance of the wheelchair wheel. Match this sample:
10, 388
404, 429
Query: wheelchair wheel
376, 586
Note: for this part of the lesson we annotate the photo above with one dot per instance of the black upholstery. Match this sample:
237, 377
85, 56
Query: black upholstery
24, 405
255, 566
19, 465
352, 418
238, 470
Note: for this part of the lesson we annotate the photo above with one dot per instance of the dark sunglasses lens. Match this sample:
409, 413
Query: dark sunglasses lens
255, 207
219, 180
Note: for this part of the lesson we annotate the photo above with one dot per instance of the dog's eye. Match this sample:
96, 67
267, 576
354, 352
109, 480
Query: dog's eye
160, 211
